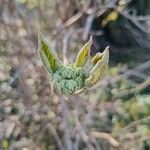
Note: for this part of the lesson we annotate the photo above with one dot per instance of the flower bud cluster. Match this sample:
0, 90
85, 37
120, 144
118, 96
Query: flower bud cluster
68, 79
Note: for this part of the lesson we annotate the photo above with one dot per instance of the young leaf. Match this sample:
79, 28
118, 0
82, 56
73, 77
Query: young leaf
48, 55
97, 57
84, 54
99, 69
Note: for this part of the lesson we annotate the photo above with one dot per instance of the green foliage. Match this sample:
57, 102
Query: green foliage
68, 79
48, 55
84, 54
99, 69
72, 79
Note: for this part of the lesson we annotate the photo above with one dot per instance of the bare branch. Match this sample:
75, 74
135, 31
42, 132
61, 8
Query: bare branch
135, 123
104, 136
53, 132
88, 25
138, 88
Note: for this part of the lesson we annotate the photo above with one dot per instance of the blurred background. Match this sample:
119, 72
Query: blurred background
115, 115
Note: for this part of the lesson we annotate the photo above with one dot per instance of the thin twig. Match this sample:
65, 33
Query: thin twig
143, 18
135, 123
97, 145
135, 22
81, 130
55, 136
104, 136
73, 19
65, 112
138, 88
65, 43
88, 24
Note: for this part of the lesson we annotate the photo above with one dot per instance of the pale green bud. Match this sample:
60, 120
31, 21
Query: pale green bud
68, 79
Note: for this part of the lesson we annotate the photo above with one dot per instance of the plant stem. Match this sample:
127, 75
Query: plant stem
65, 112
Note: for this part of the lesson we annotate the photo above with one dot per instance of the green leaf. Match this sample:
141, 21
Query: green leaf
48, 55
99, 69
84, 54
97, 57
